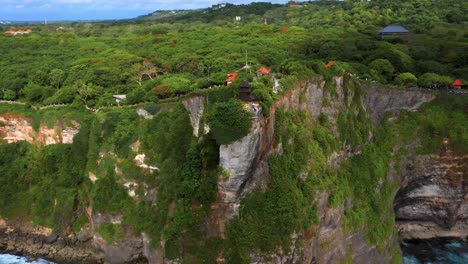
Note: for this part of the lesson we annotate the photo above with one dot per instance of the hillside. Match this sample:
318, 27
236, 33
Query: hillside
113, 57
153, 177
193, 137
215, 14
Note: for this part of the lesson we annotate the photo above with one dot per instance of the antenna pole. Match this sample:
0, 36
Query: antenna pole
246, 61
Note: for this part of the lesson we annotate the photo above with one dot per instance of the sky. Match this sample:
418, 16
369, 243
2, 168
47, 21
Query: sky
34, 10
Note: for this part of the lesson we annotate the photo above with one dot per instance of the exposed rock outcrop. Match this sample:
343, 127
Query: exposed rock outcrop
246, 162
14, 127
382, 101
433, 198
239, 159
143, 113
37, 242
194, 105
140, 162
128, 250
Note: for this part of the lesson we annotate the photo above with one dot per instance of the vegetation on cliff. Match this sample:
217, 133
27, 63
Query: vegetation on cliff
51, 186
157, 60
229, 121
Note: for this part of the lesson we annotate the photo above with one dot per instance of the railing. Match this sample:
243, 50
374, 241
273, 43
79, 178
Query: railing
11, 102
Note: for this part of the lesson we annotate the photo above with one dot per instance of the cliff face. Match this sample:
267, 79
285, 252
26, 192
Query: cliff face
383, 101
433, 198
246, 162
245, 169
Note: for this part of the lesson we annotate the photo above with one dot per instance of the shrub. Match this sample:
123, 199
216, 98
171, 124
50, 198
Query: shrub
178, 85
432, 78
136, 96
65, 95
109, 232
108, 195
220, 94
9, 95
152, 108
162, 91
289, 82
36, 93
229, 121
381, 70
406, 79
14, 165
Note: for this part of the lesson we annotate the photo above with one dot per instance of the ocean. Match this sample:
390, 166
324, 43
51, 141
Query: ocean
11, 259
435, 251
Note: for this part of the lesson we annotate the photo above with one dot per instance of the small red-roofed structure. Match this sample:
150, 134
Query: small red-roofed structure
296, 5
231, 77
263, 71
457, 83
18, 32
329, 64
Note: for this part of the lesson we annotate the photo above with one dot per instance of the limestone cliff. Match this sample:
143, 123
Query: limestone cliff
17, 128
433, 198
383, 101
195, 107
246, 162
433, 193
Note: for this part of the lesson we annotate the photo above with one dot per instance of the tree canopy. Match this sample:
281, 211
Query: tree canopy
167, 54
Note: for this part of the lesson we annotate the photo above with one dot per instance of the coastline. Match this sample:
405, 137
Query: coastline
453, 250
15, 259
51, 248
430, 230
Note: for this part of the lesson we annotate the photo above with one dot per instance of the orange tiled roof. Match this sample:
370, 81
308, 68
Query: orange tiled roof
264, 70
14, 32
232, 76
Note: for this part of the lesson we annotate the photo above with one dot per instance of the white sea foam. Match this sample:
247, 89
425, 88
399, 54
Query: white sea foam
12, 259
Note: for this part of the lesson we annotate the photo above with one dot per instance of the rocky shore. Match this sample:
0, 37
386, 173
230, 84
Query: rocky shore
21, 238
58, 249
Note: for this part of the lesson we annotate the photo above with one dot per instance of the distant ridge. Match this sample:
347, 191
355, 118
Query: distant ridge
216, 12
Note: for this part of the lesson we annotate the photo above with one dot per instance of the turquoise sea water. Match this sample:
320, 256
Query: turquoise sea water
11, 259
435, 251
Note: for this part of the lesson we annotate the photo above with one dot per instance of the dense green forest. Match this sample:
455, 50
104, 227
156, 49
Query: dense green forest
155, 57
156, 60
